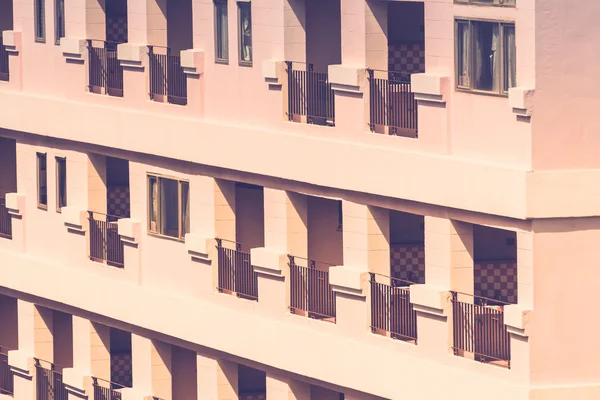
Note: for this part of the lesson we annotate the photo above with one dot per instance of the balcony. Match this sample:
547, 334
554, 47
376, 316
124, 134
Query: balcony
310, 291
392, 104
4, 74
478, 328
105, 71
391, 310
235, 271
168, 82
106, 390
310, 97
106, 245
5, 221
6, 375
49, 383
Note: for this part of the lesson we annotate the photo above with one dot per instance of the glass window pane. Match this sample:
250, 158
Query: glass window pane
42, 182
169, 222
152, 204
245, 32
222, 50
510, 58
185, 208
61, 174
40, 17
463, 54
486, 43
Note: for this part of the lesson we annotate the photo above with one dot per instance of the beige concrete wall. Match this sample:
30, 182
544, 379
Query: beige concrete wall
565, 259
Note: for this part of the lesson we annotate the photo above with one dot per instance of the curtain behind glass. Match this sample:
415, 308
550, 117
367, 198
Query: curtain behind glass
485, 36
153, 193
245, 32
169, 221
185, 208
510, 58
463, 53
222, 34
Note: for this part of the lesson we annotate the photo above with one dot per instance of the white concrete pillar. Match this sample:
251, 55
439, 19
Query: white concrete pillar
162, 377
217, 379
21, 360
280, 388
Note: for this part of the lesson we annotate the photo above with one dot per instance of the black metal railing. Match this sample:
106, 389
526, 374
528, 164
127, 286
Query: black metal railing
167, 79
310, 95
5, 221
392, 103
391, 310
236, 273
4, 74
310, 290
105, 243
6, 375
106, 390
49, 382
105, 71
478, 328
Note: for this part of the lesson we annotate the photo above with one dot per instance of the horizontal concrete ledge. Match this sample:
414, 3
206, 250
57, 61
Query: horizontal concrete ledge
516, 319
192, 61
346, 78
199, 245
75, 380
130, 230
20, 361
502, 190
74, 218
254, 336
72, 47
268, 261
15, 202
429, 299
348, 280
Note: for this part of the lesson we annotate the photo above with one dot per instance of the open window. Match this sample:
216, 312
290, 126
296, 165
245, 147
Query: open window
485, 56
168, 206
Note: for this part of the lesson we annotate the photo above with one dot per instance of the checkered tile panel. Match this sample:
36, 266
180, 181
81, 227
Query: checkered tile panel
253, 396
496, 280
120, 369
118, 201
408, 262
407, 58
116, 29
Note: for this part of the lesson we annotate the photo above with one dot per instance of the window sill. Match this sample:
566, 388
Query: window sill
245, 63
159, 236
480, 92
42, 207
460, 3
221, 61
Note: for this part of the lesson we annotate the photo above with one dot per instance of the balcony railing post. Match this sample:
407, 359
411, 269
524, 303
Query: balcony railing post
478, 328
105, 243
235, 272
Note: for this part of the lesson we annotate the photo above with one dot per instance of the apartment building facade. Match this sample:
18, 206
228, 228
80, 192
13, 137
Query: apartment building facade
298, 199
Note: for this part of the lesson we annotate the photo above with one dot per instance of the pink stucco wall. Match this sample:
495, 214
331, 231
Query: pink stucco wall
476, 161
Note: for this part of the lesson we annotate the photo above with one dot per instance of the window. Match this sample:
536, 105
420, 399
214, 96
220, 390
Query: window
245, 33
485, 56
221, 35
42, 187
168, 207
40, 20
61, 183
509, 3
59, 20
